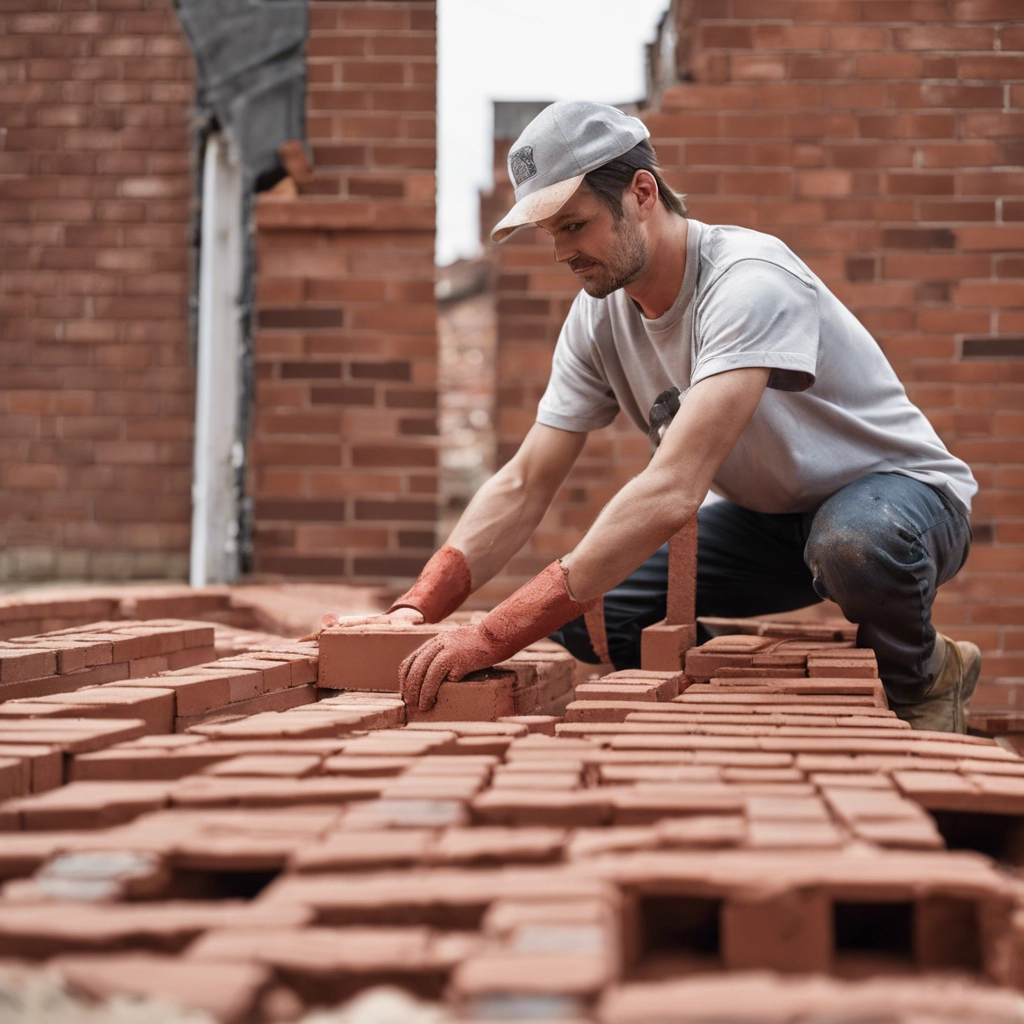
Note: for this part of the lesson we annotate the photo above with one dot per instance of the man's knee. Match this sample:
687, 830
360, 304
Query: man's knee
858, 553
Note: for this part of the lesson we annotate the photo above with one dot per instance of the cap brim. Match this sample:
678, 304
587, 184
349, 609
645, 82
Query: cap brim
539, 205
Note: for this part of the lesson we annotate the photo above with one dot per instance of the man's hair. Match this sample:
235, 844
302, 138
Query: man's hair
610, 180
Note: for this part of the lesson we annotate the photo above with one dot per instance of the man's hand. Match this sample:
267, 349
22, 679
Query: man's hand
399, 617
531, 613
451, 655
444, 583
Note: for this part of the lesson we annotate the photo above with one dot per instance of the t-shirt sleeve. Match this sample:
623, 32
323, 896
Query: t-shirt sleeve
758, 314
578, 397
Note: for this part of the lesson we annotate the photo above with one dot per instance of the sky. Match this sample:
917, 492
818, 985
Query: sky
522, 50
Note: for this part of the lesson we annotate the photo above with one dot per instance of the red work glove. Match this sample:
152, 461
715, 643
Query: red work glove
442, 585
530, 614
440, 588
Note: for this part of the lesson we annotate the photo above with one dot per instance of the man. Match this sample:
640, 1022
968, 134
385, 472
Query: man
835, 485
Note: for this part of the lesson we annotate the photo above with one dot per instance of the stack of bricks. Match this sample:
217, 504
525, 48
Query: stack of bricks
95, 201
343, 457
881, 142
1007, 723
172, 700
752, 826
279, 609
664, 645
66, 660
63, 608
537, 681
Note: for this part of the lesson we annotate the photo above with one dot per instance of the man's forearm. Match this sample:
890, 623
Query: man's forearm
498, 522
630, 528
661, 500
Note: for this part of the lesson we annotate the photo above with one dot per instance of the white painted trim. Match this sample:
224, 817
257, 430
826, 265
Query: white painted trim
215, 516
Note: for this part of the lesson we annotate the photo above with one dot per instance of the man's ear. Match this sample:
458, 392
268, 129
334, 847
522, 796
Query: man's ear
644, 190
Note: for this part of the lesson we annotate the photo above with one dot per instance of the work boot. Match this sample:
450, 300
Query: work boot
944, 709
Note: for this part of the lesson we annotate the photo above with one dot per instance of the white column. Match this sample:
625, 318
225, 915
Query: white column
218, 447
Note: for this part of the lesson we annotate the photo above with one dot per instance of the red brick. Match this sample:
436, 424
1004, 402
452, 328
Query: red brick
194, 693
363, 658
481, 697
18, 665
682, 576
154, 707
267, 765
984, 10
574, 808
204, 791
274, 701
70, 735
44, 765
563, 974
790, 932
664, 646
126, 763
228, 991
355, 851
88, 805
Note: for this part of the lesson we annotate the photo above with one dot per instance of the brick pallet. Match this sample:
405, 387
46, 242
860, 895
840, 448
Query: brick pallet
624, 849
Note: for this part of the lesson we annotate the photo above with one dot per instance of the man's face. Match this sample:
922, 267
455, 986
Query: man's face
605, 254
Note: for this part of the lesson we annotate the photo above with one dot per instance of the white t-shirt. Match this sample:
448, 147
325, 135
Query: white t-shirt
834, 410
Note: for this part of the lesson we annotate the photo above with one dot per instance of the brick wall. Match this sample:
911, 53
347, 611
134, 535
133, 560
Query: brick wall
96, 403
343, 453
466, 339
881, 141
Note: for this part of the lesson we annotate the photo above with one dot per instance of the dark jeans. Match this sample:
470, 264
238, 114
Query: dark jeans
879, 548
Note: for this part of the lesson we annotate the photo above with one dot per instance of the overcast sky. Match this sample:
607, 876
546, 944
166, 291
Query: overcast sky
522, 50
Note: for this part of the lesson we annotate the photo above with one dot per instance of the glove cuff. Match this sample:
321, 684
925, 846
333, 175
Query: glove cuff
444, 583
536, 609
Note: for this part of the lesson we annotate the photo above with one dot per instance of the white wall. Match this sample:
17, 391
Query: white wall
523, 50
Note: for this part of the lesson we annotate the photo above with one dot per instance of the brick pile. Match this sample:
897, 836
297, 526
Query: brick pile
536, 681
284, 609
274, 830
881, 142
71, 607
66, 660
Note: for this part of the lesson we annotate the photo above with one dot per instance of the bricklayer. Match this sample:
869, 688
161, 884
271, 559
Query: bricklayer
875, 149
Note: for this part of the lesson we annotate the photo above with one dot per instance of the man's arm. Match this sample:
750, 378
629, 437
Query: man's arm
495, 525
633, 525
507, 509
659, 501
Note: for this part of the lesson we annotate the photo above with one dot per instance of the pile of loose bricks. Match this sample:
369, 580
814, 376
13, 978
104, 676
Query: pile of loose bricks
257, 827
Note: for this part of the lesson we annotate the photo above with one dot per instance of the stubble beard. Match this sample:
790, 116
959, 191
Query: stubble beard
626, 264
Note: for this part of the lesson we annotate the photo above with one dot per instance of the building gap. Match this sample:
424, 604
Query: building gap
999, 836
677, 935
870, 935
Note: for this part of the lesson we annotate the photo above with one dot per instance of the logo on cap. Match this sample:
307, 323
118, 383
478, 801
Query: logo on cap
521, 165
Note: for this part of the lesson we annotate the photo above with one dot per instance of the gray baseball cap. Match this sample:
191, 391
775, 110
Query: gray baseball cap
557, 148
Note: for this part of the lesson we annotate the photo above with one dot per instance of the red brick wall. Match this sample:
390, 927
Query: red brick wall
96, 401
343, 454
881, 141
